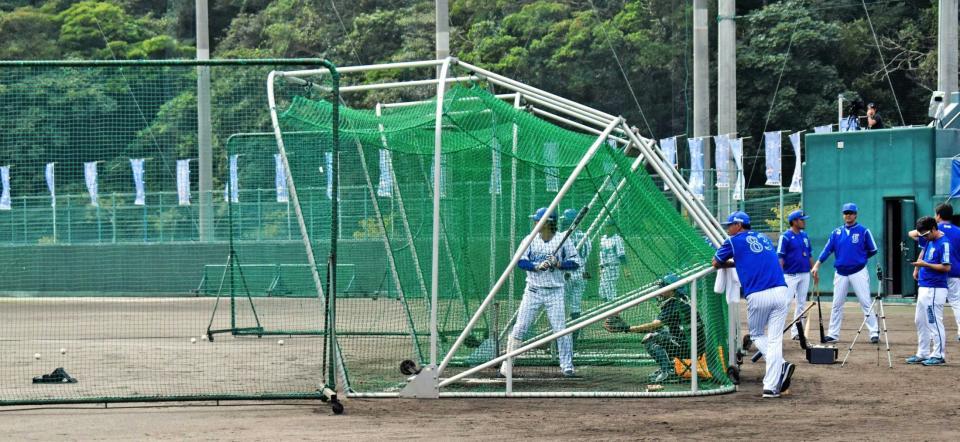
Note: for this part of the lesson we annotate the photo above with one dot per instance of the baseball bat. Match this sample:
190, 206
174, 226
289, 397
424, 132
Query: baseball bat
756, 356
823, 336
573, 226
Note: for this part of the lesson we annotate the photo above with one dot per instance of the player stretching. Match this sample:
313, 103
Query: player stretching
668, 336
766, 291
796, 259
931, 271
545, 287
612, 255
853, 244
575, 284
944, 214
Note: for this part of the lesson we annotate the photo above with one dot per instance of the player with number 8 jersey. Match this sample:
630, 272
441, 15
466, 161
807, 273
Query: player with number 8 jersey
758, 269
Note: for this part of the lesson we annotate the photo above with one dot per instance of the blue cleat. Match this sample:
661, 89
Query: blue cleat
933, 361
913, 360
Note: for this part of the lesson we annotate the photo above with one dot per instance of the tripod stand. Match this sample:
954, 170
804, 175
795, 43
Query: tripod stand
876, 308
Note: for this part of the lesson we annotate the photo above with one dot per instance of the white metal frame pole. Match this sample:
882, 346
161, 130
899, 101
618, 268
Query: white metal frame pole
694, 357
529, 238
947, 48
437, 158
513, 202
291, 186
204, 126
570, 329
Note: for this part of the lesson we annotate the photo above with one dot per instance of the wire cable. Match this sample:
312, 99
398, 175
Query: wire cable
883, 62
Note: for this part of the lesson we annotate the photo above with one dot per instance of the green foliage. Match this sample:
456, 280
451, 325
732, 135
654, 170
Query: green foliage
794, 57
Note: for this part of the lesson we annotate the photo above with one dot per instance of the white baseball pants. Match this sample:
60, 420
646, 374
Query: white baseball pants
929, 321
798, 284
609, 275
860, 282
573, 290
766, 314
953, 298
551, 299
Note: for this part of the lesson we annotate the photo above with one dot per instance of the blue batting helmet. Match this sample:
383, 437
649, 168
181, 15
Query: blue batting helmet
543, 211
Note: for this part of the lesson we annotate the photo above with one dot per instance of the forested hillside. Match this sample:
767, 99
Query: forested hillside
805, 51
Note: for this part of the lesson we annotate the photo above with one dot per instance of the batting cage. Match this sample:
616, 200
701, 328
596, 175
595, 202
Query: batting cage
252, 229
440, 184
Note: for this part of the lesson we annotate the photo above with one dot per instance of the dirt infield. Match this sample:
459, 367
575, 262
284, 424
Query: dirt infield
859, 401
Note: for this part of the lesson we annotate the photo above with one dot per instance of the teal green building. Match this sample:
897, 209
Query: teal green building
893, 175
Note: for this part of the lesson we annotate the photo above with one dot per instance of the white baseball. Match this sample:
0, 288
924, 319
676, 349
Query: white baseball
63, 351
193, 340
203, 337
280, 342
36, 356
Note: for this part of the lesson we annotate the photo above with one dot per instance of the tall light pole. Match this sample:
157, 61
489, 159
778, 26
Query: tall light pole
443, 29
204, 130
726, 89
947, 48
701, 82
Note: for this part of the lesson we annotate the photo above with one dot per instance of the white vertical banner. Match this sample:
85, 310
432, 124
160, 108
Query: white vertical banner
90, 176
669, 148
51, 186
609, 167
280, 179
551, 153
385, 188
328, 156
234, 179
826, 128
443, 175
5, 196
183, 182
696, 166
140, 199
796, 184
771, 143
723, 160
496, 185
736, 149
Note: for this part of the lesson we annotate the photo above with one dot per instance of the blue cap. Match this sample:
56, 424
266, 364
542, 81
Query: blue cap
542, 211
569, 215
795, 215
737, 217
849, 207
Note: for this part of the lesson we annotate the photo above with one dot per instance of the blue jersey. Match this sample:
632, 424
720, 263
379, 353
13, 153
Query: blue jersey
952, 233
853, 246
795, 250
935, 252
757, 265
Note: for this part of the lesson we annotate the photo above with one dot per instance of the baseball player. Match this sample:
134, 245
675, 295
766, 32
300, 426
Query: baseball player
573, 289
763, 285
853, 245
796, 259
931, 271
944, 213
612, 255
666, 337
545, 287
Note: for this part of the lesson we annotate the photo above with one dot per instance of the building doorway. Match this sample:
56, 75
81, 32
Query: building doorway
899, 216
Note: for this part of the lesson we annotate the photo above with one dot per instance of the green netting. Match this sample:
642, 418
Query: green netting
499, 164
126, 288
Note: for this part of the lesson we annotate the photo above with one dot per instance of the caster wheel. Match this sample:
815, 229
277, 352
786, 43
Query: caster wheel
734, 374
739, 358
210, 337
337, 408
409, 368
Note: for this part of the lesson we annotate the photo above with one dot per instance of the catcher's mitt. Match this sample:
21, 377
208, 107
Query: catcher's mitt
615, 324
